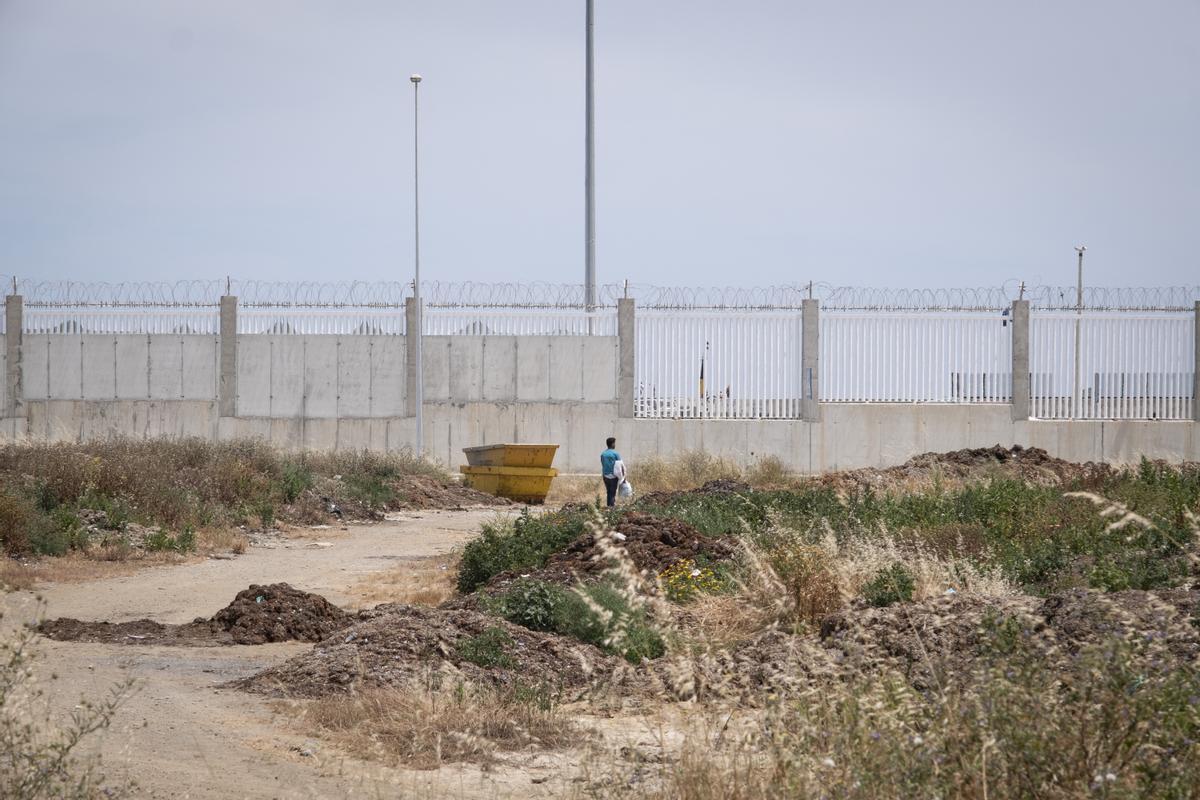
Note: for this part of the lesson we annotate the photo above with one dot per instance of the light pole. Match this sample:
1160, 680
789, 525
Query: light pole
589, 177
1078, 319
420, 382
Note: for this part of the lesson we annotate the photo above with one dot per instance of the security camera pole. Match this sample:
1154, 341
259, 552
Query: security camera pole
1077, 410
420, 382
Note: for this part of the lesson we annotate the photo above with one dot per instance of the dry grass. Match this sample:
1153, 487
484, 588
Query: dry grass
221, 540
417, 582
575, 489
424, 728
16, 575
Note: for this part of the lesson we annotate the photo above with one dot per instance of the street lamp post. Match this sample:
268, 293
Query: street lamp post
420, 381
589, 176
1078, 399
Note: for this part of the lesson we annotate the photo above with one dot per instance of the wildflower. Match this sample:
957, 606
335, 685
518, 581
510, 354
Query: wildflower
917, 740
695, 573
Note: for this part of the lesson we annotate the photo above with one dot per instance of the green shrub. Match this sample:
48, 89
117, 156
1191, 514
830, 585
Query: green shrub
488, 649
295, 479
184, 542
533, 604
372, 490
542, 606
520, 544
891, 585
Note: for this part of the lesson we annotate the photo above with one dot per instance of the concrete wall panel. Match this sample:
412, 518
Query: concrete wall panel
200, 356
35, 362
99, 367
466, 369
354, 373
436, 366
566, 368
599, 368
166, 368
500, 368
254, 376
320, 358
133, 366
66, 367
533, 368
287, 378
388, 377
355, 434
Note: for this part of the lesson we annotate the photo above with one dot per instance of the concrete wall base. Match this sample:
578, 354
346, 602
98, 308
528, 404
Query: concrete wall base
846, 437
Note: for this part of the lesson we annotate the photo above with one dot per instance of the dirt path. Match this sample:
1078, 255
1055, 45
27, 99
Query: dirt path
181, 737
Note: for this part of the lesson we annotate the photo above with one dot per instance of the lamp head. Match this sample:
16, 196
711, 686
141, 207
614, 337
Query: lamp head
415, 78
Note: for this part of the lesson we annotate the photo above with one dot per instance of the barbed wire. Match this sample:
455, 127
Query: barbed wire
539, 295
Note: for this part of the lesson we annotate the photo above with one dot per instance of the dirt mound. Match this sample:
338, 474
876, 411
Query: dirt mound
332, 499
652, 542
396, 644
259, 614
1029, 464
423, 492
946, 638
714, 487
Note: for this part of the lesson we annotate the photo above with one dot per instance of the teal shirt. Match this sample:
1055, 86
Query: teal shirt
607, 459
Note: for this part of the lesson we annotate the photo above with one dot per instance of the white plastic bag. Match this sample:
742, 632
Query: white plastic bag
625, 489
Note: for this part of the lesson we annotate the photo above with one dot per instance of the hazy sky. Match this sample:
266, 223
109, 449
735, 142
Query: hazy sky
748, 143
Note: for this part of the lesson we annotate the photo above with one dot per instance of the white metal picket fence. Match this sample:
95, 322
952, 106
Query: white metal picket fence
905, 357
534, 322
341, 321
719, 365
122, 321
1130, 366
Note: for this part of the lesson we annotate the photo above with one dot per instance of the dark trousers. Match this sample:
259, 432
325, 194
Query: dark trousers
610, 487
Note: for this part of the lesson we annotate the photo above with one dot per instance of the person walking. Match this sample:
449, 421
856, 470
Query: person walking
608, 470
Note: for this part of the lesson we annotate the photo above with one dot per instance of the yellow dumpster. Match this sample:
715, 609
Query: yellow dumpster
520, 472
511, 455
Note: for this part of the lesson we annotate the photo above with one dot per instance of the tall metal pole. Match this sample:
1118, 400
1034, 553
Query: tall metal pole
589, 179
420, 382
1078, 393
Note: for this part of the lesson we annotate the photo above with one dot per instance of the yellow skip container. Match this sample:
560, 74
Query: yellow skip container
520, 472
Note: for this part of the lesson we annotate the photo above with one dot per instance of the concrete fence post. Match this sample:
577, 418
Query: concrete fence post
1021, 396
810, 360
626, 357
1196, 365
14, 325
411, 332
227, 383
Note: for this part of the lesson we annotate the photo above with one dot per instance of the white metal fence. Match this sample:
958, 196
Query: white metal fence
532, 322
1130, 366
122, 321
721, 365
905, 357
343, 321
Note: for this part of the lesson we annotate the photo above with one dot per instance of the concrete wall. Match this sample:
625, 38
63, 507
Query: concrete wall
350, 392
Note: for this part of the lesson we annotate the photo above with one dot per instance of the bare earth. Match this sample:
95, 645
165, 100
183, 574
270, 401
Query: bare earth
179, 736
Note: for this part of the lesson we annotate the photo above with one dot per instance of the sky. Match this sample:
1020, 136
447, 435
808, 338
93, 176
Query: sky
750, 143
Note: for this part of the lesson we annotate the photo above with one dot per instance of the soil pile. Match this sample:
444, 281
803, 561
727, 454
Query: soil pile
394, 645
653, 543
944, 638
423, 492
259, 614
1029, 464
715, 487
331, 499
